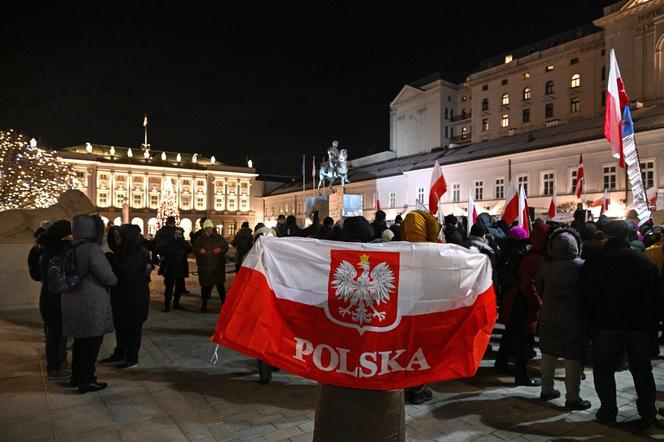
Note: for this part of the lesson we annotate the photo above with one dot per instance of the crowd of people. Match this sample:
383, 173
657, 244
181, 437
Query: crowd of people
590, 292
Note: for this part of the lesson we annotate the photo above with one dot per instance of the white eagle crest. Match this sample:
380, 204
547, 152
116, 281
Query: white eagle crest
365, 293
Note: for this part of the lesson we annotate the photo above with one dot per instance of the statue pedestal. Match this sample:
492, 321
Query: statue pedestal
336, 205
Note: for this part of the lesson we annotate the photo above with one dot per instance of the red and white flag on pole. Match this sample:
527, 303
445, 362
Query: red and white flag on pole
145, 121
377, 202
553, 206
438, 188
606, 201
511, 210
579, 177
616, 100
524, 218
472, 211
368, 316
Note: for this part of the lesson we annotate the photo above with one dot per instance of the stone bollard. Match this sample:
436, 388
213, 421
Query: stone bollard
349, 414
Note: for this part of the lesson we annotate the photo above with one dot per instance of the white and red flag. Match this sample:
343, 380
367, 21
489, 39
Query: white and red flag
616, 100
524, 218
511, 210
370, 316
553, 206
472, 210
580, 177
606, 202
377, 202
438, 187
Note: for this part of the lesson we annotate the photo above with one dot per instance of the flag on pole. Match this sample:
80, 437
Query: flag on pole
294, 304
606, 201
472, 211
579, 177
524, 218
553, 206
313, 173
145, 121
631, 157
377, 201
438, 188
511, 210
616, 100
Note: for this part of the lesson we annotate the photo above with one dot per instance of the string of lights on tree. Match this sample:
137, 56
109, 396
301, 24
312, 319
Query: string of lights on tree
168, 205
30, 177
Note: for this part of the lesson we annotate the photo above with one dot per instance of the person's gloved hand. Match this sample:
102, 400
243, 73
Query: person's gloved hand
202, 251
216, 250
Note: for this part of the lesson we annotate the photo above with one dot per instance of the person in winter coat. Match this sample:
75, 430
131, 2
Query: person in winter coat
618, 299
291, 229
396, 228
174, 267
86, 309
477, 240
453, 233
55, 239
593, 240
520, 309
130, 298
379, 224
281, 226
210, 249
325, 231
562, 331
242, 243
419, 226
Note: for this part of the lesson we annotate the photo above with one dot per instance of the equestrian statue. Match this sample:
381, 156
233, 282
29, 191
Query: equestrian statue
335, 167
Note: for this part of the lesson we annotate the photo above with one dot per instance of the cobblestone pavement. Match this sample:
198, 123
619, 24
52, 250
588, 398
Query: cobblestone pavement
175, 393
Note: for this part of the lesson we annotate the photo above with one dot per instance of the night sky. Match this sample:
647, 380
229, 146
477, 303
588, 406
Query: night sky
269, 82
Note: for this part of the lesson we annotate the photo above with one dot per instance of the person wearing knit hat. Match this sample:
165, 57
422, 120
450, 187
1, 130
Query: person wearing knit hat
518, 233
210, 250
387, 235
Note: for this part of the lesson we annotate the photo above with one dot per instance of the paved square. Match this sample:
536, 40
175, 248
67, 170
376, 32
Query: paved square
175, 393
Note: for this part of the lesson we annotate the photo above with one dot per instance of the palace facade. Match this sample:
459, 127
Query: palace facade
119, 178
523, 116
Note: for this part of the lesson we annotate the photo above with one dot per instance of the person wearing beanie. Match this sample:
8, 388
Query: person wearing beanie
210, 250
453, 233
618, 299
477, 241
387, 235
53, 241
379, 224
396, 228
325, 231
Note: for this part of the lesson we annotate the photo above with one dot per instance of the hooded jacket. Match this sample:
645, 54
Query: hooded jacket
86, 309
211, 265
49, 302
130, 299
562, 330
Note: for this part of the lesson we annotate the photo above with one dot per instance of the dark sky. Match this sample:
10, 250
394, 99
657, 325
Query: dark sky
269, 80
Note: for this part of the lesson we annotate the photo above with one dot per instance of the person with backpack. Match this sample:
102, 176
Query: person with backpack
130, 298
53, 242
210, 249
174, 267
86, 303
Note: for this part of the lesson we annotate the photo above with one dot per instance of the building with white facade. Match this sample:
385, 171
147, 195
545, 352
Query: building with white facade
524, 116
117, 177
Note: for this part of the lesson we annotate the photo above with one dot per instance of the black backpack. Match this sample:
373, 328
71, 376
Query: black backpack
63, 273
33, 262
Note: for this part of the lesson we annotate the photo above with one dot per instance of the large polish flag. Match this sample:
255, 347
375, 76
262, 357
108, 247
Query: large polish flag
438, 187
375, 316
511, 210
616, 100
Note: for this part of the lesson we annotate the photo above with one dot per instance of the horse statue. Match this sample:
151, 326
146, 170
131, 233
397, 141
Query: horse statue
335, 168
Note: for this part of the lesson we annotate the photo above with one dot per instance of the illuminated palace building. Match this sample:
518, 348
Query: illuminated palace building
525, 116
113, 177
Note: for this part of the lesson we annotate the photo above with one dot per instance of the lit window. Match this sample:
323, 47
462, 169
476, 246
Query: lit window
526, 116
219, 201
549, 87
575, 81
505, 100
508, 58
485, 124
456, 193
548, 183
609, 177
500, 188
485, 104
526, 75
527, 94
154, 201
549, 68
505, 120
648, 174
523, 180
572, 180
479, 190
231, 229
138, 201
464, 133
200, 203
574, 105
548, 110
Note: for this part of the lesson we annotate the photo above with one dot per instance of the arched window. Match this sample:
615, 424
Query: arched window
527, 94
549, 87
485, 104
575, 81
505, 100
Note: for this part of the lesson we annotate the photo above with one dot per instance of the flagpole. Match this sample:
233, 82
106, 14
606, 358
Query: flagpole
303, 174
313, 174
145, 126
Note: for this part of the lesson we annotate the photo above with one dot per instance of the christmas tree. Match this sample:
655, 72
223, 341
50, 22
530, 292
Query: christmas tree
168, 205
30, 177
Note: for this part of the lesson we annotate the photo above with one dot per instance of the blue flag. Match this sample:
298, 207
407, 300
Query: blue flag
628, 124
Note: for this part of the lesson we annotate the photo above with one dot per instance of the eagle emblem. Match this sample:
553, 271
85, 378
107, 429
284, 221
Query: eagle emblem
361, 295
